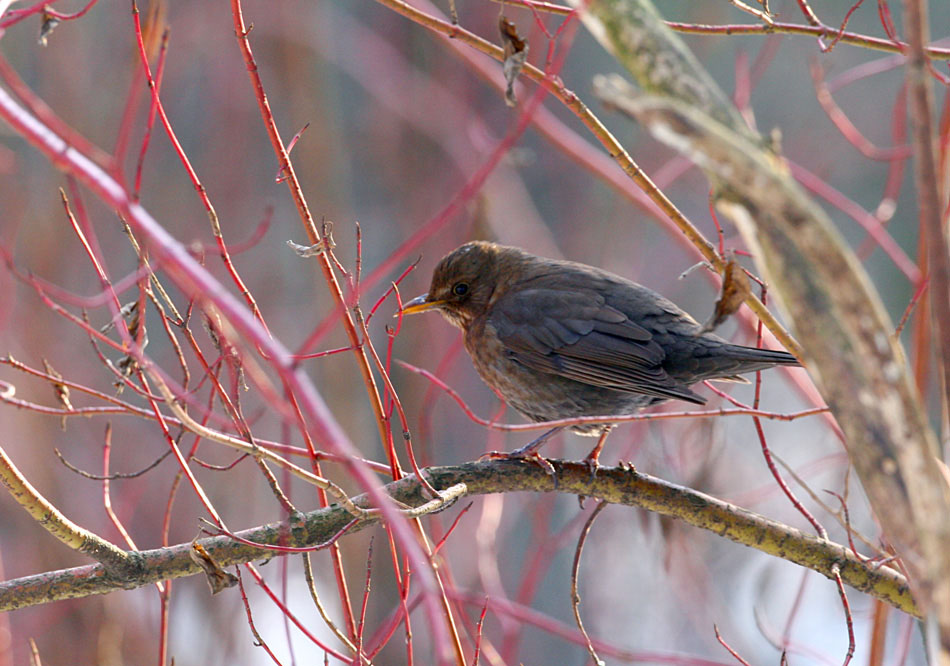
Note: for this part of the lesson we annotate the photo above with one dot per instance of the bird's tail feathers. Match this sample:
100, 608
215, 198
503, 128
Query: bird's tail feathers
756, 358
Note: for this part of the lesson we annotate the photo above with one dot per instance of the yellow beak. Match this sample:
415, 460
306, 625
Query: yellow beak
420, 304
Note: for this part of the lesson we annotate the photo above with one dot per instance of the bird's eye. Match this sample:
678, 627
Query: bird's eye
460, 289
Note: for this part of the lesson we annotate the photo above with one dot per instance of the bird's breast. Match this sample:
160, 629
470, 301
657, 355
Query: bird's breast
493, 362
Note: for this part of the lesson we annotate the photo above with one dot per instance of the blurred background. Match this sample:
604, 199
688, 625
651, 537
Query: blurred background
399, 123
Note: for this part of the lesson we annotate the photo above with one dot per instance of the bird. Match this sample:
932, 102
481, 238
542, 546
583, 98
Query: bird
560, 339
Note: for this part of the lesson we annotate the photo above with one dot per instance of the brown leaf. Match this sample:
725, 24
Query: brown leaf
516, 54
735, 289
62, 391
49, 24
218, 578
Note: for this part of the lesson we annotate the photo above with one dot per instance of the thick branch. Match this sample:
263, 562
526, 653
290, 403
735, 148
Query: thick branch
618, 485
52, 519
836, 313
920, 96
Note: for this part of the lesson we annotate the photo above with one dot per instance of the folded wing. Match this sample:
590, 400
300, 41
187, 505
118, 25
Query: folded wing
576, 335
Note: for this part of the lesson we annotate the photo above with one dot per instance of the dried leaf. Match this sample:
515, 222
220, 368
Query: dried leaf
516, 54
46, 28
125, 311
218, 578
735, 289
62, 391
305, 251
133, 319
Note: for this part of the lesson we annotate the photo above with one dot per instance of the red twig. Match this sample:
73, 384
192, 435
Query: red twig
48, 117
150, 123
575, 594
69, 17
328, 352
846, 127
836, 570
192, 174
767, 454
715, 219
847, 521
889, 45
183, 464
291, 616
870, 223
256, 235
887, 22
43, 6
393, 288
259, 641
107, 498
387, 628
478, 632
844, 24
290, 146
722, 642
451, 529
366, 590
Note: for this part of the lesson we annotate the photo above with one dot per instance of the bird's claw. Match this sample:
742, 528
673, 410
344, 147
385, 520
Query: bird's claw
494, 455
592, 465
530, 456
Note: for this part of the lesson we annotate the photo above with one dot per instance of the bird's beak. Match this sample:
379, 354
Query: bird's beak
420, 304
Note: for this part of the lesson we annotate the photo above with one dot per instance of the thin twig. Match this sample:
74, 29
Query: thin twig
311, 585
575, 595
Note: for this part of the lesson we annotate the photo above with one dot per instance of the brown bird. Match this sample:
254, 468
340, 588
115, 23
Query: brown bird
559, 339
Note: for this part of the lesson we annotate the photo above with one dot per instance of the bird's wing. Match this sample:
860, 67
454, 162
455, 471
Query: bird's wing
575, 334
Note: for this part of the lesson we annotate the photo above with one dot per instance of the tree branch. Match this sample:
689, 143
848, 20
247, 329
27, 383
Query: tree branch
616, 485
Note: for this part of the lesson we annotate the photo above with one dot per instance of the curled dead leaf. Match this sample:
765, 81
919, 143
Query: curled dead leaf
218, 578
735, 289
61, 390
516, 54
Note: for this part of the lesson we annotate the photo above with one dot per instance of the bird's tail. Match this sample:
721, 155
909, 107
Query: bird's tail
755, 358
725, 361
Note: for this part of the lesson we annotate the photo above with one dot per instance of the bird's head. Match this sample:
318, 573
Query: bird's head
463, 283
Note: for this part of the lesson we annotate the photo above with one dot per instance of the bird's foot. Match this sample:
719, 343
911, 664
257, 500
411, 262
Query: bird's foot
530, 452
592, 465
527, 456
592, 461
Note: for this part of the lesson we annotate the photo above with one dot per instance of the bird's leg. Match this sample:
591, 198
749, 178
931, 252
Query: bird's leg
530, 452
531, 448
592, 458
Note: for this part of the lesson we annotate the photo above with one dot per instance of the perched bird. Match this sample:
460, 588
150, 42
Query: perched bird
559, 339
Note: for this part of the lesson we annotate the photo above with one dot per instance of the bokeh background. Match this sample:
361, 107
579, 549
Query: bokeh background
399, 123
